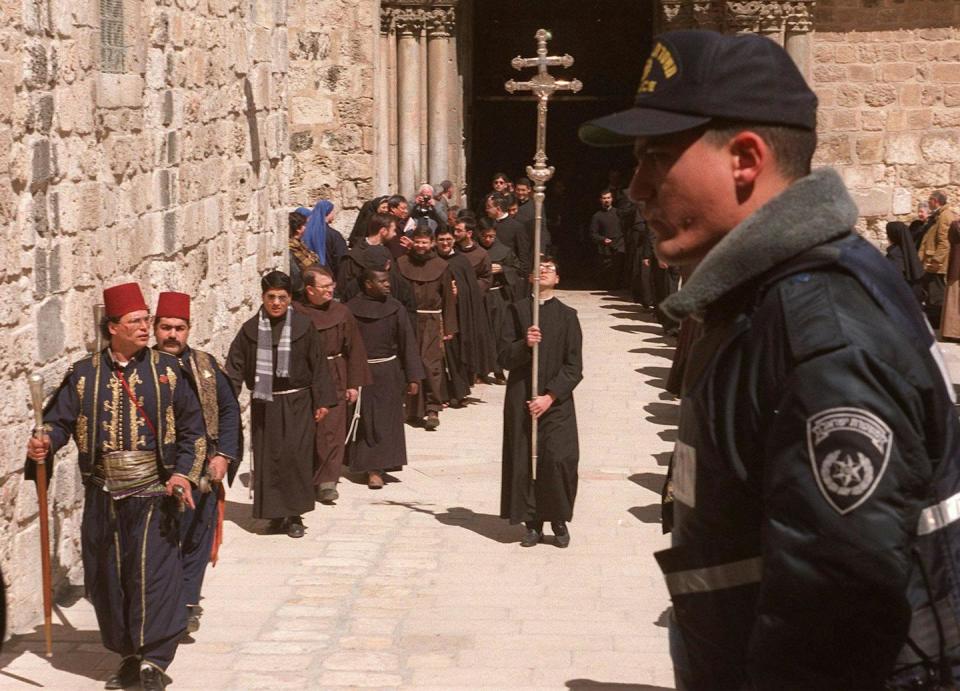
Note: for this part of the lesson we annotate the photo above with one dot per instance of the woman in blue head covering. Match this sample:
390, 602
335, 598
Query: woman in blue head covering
316, 237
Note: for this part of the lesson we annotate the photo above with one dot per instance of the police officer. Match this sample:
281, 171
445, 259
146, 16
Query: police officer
201, 527
816, 472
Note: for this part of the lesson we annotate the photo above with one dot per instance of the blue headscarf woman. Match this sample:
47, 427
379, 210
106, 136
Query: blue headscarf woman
315, 236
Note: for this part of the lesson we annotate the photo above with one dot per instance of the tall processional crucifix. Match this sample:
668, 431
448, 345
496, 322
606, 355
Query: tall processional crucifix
543, 85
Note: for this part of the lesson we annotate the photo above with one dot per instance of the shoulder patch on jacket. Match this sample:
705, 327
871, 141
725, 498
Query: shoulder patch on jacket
809, 316
849, 451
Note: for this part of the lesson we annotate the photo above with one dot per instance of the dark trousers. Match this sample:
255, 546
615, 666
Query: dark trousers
197, 528
132, 573
611, 270
934, 287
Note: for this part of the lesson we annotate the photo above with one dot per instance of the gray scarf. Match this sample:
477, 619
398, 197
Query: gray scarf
263, 381
813, 210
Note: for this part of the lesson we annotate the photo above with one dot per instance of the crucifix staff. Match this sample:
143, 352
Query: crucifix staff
543, 85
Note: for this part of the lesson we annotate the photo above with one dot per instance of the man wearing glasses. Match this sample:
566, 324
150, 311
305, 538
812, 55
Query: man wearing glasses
551, 496
278, 354
140, 439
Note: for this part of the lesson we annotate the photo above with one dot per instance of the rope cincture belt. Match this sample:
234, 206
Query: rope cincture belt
429, 311
289, 391
334, 357
355, 420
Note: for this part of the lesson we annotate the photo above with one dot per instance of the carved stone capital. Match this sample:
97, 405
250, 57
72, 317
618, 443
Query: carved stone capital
708, 14
771, 17
798, 16
441, 22
409, 21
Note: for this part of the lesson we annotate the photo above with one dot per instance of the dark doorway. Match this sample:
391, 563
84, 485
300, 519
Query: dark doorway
609, 40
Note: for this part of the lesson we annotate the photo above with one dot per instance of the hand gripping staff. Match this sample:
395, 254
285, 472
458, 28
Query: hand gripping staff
36, 395
543, 85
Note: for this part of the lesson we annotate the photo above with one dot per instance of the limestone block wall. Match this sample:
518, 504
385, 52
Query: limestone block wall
887, 73
332, 52
139, 140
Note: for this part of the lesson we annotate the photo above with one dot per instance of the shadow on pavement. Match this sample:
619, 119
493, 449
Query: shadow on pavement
666, 414
591, 685
647, 514
651, 481
658, 376
69, 661
242, 516
484, 524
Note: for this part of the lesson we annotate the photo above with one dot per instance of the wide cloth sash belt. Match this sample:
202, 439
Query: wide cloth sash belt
127, 472
712, 578
429, 311
378, 360
334, 357
287, 392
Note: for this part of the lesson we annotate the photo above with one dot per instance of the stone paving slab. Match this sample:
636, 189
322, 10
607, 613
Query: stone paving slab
420, 585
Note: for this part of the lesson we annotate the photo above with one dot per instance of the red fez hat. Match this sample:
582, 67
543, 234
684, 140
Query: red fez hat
123, 299
176, 305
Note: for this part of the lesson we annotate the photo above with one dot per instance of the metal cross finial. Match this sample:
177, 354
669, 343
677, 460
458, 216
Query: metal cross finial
543, 85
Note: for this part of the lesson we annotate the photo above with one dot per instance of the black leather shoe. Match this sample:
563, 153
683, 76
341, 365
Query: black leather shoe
152, 679
432, 421
127, 674
531, 538
295, 526
561, 533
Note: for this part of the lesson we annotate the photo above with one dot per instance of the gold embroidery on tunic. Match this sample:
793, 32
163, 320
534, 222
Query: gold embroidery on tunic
136, 419
173, 380
199, 456
203, 365
83, 443
113, 411
170, 433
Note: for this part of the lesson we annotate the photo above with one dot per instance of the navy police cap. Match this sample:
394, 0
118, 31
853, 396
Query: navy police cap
693, 77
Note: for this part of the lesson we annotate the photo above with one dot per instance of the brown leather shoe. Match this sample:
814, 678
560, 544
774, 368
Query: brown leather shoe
374, 480
432, 421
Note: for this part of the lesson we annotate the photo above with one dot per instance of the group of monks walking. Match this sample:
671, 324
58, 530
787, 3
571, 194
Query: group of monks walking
335, 367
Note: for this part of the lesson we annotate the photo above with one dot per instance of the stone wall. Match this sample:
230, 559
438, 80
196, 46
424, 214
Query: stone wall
887, 73
145, 143
332, 54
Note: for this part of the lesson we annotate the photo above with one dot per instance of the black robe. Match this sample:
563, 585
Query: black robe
284, 429
551, 496
501, 292
471, 351
387, 333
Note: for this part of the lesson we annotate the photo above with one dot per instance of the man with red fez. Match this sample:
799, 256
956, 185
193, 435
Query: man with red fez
201, 527
278, 354
343, 348
140, 441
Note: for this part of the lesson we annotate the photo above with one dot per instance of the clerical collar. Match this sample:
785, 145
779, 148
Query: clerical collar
448, 254
502, 217
467, 248
543, 300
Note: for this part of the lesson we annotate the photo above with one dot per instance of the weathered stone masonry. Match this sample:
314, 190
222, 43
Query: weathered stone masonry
159, 155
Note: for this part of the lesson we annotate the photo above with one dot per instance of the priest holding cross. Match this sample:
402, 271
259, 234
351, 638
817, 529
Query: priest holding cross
540, 442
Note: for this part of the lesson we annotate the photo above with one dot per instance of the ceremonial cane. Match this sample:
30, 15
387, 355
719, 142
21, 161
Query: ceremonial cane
99, 311
36, 394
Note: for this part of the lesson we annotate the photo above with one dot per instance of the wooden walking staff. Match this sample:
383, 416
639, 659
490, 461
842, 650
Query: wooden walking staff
543, 85
36, 395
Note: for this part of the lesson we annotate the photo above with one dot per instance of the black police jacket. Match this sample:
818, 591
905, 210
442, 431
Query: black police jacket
816, 472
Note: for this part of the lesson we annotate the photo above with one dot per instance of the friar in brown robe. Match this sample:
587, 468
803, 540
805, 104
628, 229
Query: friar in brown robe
378, 441
436, 322
343, 347
465, 231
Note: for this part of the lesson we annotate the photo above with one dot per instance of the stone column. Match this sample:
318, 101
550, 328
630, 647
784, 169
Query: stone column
386, 113
439, 30
798, 25
409, 22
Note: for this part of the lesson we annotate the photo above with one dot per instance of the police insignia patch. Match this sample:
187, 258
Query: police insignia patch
849, 451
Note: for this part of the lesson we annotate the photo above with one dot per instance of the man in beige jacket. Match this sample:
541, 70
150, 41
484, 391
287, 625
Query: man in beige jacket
934, 251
